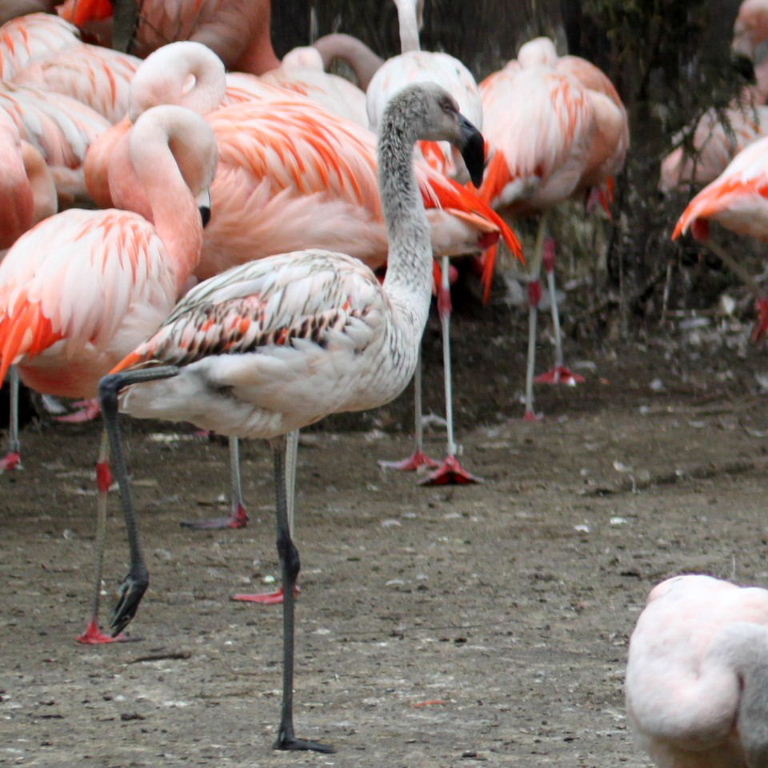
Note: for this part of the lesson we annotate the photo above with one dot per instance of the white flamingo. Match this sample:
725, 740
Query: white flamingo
273, 345
697, 675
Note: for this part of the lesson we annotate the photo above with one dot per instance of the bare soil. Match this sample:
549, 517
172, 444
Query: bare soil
438, 626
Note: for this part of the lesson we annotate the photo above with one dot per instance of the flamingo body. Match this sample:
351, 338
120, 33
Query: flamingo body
737, 198
32, 36
697, 674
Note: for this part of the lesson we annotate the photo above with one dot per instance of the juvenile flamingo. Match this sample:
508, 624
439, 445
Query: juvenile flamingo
292, 175
737, 200
697, 675
82, 288
413, 65
276, 344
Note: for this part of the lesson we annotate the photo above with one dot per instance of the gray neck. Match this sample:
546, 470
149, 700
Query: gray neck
356, 53
409, 264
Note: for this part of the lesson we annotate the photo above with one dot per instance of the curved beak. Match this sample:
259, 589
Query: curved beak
472, 150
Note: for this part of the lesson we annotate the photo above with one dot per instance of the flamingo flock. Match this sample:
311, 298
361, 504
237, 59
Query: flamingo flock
201, 231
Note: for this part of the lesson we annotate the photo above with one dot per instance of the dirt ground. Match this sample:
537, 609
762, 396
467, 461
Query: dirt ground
449, 626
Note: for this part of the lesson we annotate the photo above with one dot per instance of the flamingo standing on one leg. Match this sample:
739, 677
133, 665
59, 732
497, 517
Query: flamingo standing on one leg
272, 345
697, 674
291, 175
410, 66
737, 200
80, 289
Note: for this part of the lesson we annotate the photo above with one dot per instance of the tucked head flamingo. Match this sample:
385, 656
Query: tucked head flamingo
697, 674
276, 344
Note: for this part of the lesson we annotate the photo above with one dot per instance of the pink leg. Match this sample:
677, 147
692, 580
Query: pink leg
560, 374
12, 459
450, 472
418, 458
238, 516
93, 634
88, 410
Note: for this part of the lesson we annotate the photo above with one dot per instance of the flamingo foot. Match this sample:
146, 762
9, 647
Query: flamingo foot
10, 462
561, 374
293, 744
450, 473
412, 463
94, 636
87, 410
265, 598
532, 416
238, 519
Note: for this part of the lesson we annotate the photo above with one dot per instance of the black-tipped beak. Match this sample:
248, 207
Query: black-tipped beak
743, 67
204, 206
472, 150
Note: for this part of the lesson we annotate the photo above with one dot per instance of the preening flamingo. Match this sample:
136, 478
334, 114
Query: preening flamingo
276, 344
413, 65
737, 200
579, 142
750, 30
82, 288
697, 675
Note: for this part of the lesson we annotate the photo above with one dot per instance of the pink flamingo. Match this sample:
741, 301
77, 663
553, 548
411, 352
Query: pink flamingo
715, 145
580, 142
27, 196
697, 674
80, 289
737, 200
278, 343
410, 66
95, 76
37, 35
750, 30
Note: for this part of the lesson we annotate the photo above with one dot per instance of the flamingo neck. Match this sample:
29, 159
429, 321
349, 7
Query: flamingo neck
408, 281
363, 61
408, 22
173, 210
259, 57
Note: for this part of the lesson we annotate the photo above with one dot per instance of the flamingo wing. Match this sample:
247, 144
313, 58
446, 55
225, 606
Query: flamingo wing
75, 278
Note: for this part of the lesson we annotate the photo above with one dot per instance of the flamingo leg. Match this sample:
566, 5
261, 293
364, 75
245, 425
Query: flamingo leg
137, 580
93, 634
290, 566
560, 373
291, 453
238, 516
418, 458
534, 297
12, 459
86, 410
450, 472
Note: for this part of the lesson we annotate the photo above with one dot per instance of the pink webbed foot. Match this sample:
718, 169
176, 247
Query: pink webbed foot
266, 598
87, 410
238, 519
532, 416
561, 374
412, 463
94, 636
450, 472
10, 462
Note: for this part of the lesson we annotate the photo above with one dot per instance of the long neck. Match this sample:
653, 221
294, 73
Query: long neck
174, 213
356, 53
408, 20
408, 282
259, 57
